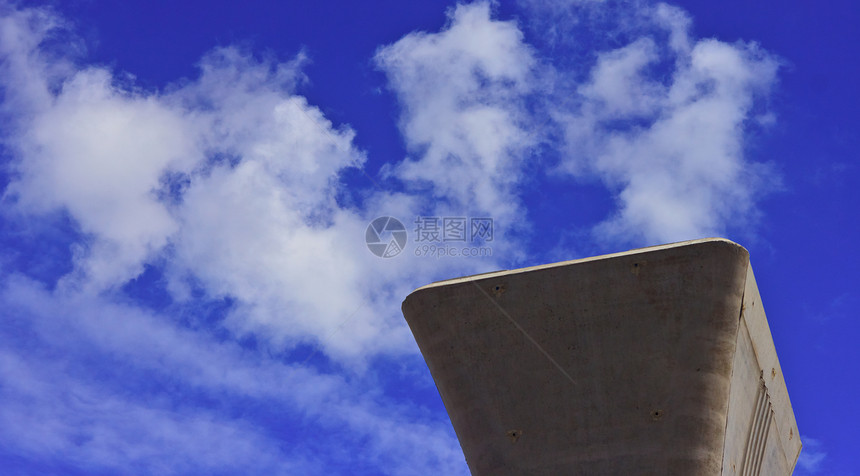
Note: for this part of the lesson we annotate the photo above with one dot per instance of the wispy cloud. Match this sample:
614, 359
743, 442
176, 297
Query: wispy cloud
811, 457
116, 387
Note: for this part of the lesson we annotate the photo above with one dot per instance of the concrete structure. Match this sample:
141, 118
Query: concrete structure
654, 361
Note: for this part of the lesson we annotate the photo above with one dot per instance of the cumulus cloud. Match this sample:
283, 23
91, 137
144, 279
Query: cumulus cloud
663, 125
100, 154
229, 179
661, 121
462, 92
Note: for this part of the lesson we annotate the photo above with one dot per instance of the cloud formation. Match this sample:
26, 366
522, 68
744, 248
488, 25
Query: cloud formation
222, 192
462, 92
122, 389
231, 179
812, 456
663, 124
226, 187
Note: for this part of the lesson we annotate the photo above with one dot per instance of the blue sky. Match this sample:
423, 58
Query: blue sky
185, 286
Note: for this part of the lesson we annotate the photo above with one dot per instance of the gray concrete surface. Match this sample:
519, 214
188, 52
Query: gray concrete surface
654, 361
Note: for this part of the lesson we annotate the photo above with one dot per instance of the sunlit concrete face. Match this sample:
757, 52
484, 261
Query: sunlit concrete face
653, 361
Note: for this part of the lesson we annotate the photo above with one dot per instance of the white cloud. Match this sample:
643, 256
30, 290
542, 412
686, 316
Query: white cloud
672, 149
96, 430
661, 121
100, 153
811, 456
228, 181
118, 388
617, 88
231, 179
677, 22
21, 33
462, 95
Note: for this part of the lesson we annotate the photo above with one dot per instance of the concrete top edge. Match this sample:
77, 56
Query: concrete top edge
647, 249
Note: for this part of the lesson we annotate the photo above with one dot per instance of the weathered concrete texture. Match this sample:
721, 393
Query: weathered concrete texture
655, 361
